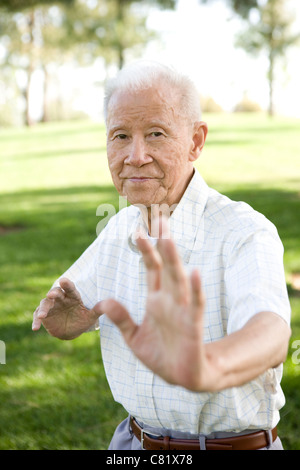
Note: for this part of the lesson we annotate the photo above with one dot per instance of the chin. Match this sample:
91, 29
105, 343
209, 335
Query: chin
137, 197
139, 201
149, 195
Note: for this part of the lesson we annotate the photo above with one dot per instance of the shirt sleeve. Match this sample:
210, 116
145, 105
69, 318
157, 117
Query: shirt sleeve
255, 278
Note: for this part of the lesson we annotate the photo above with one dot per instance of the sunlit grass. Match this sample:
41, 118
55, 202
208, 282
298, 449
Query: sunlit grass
54, 394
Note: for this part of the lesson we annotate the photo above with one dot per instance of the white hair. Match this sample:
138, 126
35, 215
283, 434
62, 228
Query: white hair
147, 74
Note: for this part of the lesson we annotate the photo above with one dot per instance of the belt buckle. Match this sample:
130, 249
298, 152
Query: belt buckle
142, 439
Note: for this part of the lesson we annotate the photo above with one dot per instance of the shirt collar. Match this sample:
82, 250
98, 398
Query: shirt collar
184, 222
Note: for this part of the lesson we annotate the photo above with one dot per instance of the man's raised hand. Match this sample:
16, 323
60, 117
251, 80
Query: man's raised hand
169, 341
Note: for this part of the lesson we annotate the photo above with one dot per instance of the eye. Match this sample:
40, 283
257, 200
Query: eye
156, 134
121, 136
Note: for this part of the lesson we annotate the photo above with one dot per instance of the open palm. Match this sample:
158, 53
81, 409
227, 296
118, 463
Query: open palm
169, 341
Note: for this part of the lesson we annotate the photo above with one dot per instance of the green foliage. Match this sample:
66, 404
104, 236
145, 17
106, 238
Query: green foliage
271, 30
37, 34
54, 394
19, 5
242, 7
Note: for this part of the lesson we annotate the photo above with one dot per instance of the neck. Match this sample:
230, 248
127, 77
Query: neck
155, 211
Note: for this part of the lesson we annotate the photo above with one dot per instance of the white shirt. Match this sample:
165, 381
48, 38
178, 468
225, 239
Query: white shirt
239, 256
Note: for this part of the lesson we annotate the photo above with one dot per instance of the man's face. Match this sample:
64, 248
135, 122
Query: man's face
150, 146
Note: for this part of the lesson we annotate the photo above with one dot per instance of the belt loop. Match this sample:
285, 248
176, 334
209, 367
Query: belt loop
202, 440
269, 438
142, 438
166, 442
129, 425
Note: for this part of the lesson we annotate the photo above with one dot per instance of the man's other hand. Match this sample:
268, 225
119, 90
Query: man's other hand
63, 314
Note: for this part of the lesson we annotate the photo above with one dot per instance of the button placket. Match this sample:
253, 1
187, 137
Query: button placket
144, 376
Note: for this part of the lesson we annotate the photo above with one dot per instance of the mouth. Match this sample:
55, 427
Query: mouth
139, 179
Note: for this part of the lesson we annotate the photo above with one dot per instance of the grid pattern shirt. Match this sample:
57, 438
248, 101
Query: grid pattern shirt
240, 259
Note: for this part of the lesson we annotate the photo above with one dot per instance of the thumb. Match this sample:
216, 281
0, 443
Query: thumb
118, 314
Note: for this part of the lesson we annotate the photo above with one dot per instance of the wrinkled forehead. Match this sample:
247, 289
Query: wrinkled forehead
146, 103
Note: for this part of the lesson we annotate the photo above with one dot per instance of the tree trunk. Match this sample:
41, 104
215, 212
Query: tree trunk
121, 56
120, 45
271, 83
28, 119
45, 116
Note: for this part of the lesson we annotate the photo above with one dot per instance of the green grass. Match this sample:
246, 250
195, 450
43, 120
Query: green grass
54, 394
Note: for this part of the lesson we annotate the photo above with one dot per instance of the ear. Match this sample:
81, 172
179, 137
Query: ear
199, 136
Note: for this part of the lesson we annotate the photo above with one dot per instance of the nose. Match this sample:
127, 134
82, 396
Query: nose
137, 153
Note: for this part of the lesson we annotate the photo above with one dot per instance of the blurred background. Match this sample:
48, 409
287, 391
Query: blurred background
55, 58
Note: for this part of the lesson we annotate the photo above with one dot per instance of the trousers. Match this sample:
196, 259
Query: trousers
124, 439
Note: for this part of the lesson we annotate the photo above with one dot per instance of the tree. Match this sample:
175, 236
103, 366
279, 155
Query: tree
118, 29
105, 28
27, 42
271, 33
130, 29
242, 7
36, 33
268, 31
19, 5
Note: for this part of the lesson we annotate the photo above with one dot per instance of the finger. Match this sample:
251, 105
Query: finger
168, 251
150, 255
55, 294
170, 257
45, 306
174, 278
160, 227
121, 318
152, 262
198, 297
69, 288
36, 323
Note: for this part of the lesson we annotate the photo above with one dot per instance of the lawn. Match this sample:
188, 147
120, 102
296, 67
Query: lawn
54, 394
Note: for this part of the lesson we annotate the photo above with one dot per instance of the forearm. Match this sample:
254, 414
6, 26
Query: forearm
242, 356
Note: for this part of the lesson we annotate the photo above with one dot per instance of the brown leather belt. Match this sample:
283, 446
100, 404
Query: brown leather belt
254, 441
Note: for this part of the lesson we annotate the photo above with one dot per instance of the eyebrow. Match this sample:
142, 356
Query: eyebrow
159, 124
115, 128
151, 124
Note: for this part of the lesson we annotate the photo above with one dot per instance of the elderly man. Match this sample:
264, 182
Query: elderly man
193, 312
